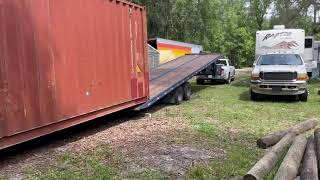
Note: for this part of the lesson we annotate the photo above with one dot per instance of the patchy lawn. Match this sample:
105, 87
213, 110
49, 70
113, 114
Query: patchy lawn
226, 116
212, 136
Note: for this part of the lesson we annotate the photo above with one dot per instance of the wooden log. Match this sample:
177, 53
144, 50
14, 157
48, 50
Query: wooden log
309, 170
270, 139
275, 137
265, 165
289, 167
317, 145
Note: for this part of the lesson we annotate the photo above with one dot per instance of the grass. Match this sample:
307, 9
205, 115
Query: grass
89, 165
3, 177
226, 117
221, 115
149, 174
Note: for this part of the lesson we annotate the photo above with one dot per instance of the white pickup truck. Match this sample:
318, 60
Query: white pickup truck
222, 71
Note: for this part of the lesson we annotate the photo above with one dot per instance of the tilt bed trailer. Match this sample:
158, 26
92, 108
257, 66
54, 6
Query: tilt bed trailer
64, 63
169, 82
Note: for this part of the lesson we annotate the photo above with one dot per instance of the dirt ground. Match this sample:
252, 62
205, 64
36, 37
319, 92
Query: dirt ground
148, 140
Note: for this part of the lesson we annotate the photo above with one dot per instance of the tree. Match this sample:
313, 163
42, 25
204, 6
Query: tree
224, 26
259, 9
292, 13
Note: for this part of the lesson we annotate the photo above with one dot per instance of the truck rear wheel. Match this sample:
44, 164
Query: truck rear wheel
228, 81
187, 91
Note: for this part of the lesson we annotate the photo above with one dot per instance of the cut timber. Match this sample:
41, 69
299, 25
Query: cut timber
265, 165
309, 170
275, 137
270, 139
317, 144
289, 168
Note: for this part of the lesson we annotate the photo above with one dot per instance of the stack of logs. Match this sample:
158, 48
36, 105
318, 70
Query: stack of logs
300, 161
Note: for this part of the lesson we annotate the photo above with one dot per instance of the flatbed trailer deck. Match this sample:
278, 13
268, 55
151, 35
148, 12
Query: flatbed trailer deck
169, 76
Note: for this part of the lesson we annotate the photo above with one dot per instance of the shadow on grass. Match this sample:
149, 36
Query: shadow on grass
245, 96
197, 88
314, 82
241, 83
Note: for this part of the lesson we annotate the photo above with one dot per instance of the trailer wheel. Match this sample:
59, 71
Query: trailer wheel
175, 97
179, 95
187, 91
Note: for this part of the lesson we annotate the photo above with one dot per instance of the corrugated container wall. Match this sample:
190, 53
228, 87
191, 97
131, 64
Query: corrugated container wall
64, 62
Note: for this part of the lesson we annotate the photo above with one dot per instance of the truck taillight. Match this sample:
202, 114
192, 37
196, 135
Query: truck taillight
221, 72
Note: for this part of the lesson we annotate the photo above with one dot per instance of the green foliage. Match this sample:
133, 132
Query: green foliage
258, 9
224, 26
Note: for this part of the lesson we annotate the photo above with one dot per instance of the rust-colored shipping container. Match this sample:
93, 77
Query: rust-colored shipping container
64, 62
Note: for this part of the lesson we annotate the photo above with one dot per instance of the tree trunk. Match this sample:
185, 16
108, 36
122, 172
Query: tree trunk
315, 9
275, 137
265, 165
309, 169
290, 166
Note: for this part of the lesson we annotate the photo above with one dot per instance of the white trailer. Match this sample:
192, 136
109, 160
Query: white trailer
308, 56
280, 40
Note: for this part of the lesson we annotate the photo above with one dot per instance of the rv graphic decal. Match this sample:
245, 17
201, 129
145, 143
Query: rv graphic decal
275, 35
283, 45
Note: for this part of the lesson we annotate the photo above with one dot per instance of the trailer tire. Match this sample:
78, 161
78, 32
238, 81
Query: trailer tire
178, 95
187, 92
175, 97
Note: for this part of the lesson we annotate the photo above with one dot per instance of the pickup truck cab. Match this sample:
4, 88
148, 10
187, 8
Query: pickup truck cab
279, 74
221, 71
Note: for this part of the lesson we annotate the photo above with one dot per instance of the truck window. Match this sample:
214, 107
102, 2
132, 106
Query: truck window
224, 62
280, 59
308, 43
